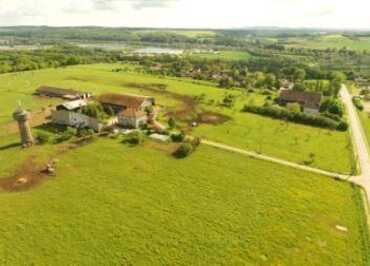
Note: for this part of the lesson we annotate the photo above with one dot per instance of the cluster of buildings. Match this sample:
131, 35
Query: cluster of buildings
128, 111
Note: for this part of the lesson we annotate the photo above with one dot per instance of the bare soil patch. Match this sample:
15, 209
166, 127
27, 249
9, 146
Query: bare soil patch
28, 175
212, 118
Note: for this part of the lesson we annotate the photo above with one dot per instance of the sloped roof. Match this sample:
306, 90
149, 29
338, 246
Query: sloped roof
58, 91
125, 100
307, 99
74, 104
130, 112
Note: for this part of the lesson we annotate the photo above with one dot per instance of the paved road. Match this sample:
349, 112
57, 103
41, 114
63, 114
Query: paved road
272, 159
359, 141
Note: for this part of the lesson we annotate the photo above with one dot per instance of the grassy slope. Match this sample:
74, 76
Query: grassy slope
141, 206
246, 131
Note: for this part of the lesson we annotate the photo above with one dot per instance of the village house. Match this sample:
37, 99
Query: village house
70, 114
310, 102
67, 94
131, 110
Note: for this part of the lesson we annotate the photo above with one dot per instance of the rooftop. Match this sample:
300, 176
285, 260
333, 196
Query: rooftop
73, 105
124, 100
306, 98
59, 91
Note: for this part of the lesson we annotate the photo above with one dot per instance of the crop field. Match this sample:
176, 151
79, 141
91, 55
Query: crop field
330, 41
224, 55
139, 205
261, 134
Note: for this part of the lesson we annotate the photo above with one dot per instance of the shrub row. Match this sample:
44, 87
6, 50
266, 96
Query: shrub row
358, 103
187, 148
302, 118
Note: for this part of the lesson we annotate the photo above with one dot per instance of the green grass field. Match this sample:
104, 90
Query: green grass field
365, 120
330, 41
224, 55
141, 206
284, 140
289, 141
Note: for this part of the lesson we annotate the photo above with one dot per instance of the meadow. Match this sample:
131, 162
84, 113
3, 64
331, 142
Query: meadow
224, 55
330, 41
139, 205
290, 141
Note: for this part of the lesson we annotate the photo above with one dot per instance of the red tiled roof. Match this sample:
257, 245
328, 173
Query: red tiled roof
130, 112
126, 101
307, 99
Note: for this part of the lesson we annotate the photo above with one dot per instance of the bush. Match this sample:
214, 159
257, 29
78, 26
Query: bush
332, 116
178, 137
42, 138
183, 151
294, 107
358, 103
134, 138
195, 142
171, 123
302, 118
342, 126
332, 106
84, 132
66, 135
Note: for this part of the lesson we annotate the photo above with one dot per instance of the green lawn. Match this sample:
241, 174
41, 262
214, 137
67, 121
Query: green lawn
289, 141
140, 206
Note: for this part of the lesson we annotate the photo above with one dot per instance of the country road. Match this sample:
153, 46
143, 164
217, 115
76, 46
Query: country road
359, 142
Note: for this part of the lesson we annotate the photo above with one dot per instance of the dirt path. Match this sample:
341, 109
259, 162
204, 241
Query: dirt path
359, 141
274, 160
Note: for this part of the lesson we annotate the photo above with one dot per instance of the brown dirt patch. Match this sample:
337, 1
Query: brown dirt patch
212, 118
28, 175
188, 112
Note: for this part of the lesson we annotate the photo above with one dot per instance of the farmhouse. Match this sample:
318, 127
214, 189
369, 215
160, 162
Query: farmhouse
309, 101
70, 114
130, 109
68, 94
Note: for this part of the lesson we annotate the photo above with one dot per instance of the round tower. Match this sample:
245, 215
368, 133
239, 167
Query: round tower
22, 117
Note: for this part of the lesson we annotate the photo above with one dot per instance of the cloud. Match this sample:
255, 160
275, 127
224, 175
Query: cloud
137, 4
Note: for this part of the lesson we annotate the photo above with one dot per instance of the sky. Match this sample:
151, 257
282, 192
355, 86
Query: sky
338, 14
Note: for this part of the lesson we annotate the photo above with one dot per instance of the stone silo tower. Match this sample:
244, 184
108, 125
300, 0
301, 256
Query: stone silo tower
22, 117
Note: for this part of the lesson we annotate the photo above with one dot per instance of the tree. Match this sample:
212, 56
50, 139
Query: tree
336, 80
171, 123
183, 151
226, 83
299, 87
270, 81
332, 106
299, 75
